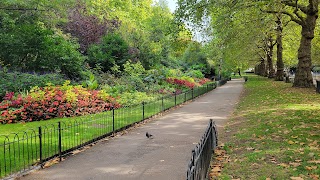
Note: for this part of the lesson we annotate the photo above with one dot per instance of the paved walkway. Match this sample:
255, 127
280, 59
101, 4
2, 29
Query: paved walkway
165, 157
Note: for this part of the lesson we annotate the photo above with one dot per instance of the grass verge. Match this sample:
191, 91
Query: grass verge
273, 134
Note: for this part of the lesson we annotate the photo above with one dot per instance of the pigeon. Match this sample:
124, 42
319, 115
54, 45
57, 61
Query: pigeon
148, 135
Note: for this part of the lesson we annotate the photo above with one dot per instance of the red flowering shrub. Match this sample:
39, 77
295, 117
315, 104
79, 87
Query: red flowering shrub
204, 81
51, 102
181, 82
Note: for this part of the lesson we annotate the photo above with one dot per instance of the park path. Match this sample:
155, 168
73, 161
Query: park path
165, 157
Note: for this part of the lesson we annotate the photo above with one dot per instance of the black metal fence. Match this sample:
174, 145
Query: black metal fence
201, 155
24, 151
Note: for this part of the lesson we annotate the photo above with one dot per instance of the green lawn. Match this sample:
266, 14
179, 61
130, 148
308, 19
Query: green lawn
274, 133
20, 143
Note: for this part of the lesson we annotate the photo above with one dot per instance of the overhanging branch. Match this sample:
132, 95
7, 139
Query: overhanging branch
302, 8
297, 20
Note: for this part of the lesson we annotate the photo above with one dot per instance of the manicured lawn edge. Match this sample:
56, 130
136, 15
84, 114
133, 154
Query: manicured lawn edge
274, 133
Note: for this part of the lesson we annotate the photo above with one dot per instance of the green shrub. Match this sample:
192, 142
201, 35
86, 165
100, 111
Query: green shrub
134, 98
112, 50
195, 74
91, 82
30, 46
18, 82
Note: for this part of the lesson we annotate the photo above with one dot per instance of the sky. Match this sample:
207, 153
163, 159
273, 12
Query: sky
172, 4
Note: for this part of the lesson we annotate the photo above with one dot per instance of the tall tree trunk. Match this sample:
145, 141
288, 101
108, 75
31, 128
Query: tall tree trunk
303, 77
263, 70
269, 57
280, 64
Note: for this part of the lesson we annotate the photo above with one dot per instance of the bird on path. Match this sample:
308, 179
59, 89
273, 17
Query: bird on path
149, 135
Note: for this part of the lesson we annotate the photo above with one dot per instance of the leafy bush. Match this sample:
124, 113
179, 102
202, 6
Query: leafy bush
54, 101
112, 50
195, 74
181, 83
17, 81
30, 46
91, 82
134, 98
173, 73
204, 81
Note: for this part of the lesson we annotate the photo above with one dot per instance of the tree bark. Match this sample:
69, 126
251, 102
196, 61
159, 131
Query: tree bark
303, 77
280, 64
269, 57
262, 68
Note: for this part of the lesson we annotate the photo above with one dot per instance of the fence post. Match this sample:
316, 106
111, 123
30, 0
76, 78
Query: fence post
207, 88
60, 142
192, 94
193, 164
214, 128
40, 146
143, 110
175, 98
185, 96
162, 104
113, 128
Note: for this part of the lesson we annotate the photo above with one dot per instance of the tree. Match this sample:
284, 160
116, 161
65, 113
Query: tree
112, 50
30, 46
280, 64
89, 29
305, 15
270, 43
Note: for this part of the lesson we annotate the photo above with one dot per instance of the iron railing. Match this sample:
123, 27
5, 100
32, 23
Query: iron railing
24, 151
201, 155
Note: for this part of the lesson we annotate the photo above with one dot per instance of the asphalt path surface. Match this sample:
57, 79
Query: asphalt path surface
133, 156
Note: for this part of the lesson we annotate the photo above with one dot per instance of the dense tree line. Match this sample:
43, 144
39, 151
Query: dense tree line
248, 32
72, 37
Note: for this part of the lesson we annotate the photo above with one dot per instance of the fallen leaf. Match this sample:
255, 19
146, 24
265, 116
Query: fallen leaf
294, 164
309, 168
216, 169
314, 177
250, 148
284, 165
296, 178
290, 142
273, 160
219, 152
214, 174
314, 161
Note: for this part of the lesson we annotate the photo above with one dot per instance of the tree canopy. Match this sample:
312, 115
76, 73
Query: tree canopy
241, 31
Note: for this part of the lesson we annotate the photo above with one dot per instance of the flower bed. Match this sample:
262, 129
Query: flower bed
50, 102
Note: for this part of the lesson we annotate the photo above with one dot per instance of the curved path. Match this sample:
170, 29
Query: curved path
165, 157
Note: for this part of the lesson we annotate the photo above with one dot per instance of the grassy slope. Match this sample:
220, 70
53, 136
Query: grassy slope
274, 133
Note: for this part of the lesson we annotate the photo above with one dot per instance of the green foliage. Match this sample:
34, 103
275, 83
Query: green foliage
195, 74
173, 73
30, 46
134, 98
113, 50
194, 58
133, 69
62, 55
91, 82
22, 82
